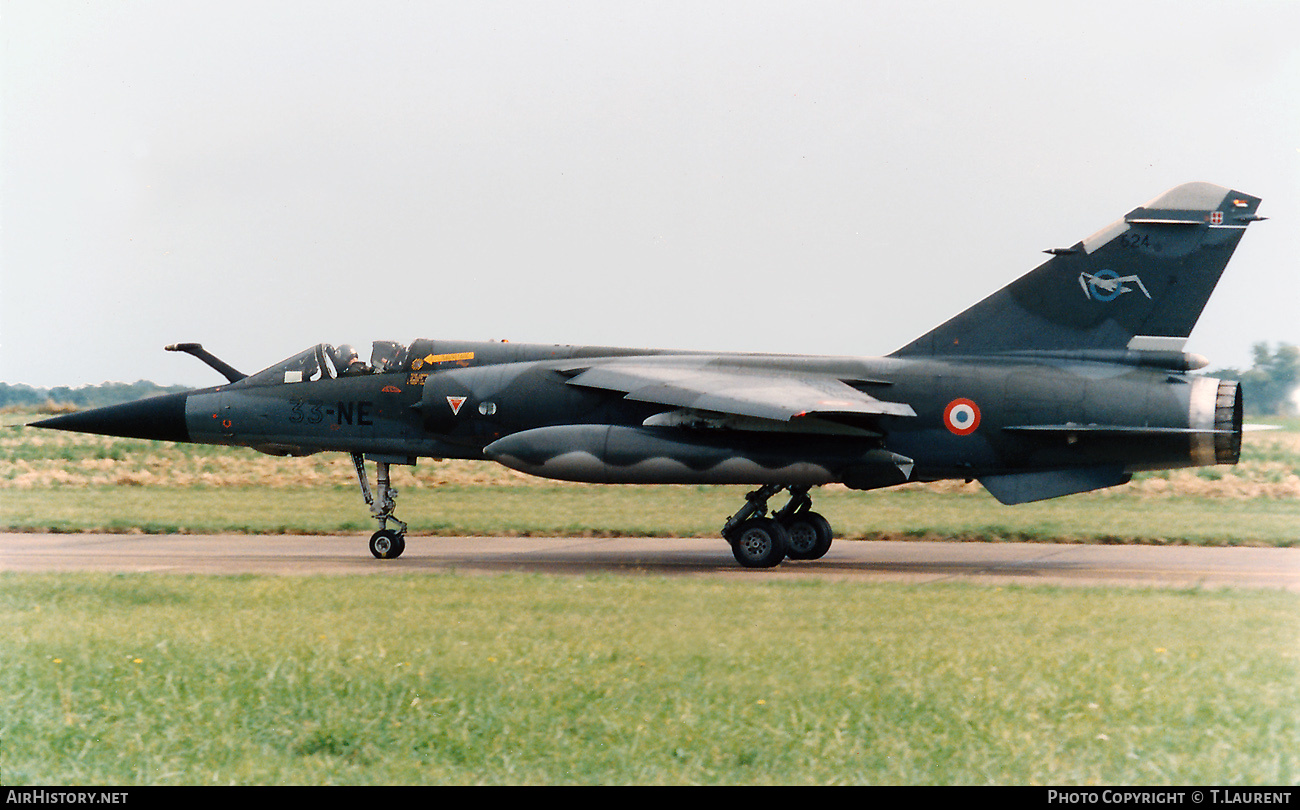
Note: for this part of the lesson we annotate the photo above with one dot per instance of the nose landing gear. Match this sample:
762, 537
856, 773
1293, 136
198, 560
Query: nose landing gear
386, 544
795, 531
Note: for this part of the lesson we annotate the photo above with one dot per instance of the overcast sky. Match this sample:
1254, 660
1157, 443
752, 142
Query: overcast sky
804, 177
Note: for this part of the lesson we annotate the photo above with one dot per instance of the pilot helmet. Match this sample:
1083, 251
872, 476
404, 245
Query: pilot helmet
347, 361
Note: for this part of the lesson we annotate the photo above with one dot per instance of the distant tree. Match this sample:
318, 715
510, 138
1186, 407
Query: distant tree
1270, 385
21, 396
26, 397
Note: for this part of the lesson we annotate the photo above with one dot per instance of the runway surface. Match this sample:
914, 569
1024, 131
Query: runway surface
917, 562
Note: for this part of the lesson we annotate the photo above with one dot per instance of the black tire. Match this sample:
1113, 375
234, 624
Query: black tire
810, 536
387, 544
758, 543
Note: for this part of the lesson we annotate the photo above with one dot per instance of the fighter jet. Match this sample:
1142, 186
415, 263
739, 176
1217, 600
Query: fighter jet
1069, 379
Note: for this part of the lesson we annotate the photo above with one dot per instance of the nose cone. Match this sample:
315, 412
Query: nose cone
161, 418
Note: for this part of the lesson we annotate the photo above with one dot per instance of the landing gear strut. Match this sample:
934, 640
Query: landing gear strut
386, 544
795, 531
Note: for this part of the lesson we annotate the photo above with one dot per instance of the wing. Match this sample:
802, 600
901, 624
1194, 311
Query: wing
769, 394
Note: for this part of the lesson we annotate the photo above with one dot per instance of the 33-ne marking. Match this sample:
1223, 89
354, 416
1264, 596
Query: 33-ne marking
351, 413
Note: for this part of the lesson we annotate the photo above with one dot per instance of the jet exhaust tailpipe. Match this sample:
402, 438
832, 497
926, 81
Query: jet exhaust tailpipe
1227, 423
1215, 411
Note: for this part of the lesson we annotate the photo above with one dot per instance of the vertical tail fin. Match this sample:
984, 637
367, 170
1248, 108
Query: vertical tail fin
1137, 284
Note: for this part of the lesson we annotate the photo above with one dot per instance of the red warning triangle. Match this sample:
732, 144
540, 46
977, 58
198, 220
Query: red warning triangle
455, 403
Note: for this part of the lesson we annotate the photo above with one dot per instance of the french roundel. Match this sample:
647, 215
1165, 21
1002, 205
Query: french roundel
961, 416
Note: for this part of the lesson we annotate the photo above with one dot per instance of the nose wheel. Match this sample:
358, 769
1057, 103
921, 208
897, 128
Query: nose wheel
385, 544
795, 531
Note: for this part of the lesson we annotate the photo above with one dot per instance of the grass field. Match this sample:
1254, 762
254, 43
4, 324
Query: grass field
529, 679
534, 679
53, 481
652, 511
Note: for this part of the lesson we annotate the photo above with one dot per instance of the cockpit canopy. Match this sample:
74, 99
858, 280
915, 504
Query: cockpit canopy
325, 361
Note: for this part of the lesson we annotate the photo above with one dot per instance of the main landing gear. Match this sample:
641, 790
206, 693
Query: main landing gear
386, 544
795, 531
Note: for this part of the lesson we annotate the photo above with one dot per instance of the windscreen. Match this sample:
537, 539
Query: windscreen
305, 366
326, 361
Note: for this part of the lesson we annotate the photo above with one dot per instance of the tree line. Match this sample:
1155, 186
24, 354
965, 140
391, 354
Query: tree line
1271, 387
63, 398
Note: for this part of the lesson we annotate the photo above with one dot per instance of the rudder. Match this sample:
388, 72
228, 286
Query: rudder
1140, 283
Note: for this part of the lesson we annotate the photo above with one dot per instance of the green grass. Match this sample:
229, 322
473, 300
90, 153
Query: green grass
53, 481
651, 511
449, 679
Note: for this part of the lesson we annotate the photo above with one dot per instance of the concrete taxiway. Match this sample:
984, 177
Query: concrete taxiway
916, 562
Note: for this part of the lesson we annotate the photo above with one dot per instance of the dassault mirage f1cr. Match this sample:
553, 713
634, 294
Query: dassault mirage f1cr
1069, 379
